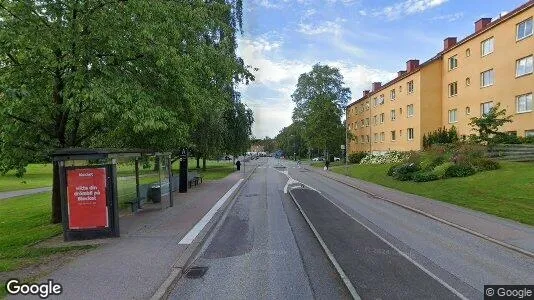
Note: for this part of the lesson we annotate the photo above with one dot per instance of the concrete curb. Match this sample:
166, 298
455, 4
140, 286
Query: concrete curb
431, 216
186, 258
327, 251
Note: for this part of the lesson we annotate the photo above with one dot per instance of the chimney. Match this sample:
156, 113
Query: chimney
400, 73
449, 42
376, 86
411, 65
481, 24
365, 93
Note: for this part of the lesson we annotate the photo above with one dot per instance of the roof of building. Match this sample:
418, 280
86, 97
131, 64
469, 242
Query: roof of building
491, 25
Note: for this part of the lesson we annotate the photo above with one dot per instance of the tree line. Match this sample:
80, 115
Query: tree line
320, 99
157, 75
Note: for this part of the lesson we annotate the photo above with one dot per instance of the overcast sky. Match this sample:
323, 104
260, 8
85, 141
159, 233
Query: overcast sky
368, 40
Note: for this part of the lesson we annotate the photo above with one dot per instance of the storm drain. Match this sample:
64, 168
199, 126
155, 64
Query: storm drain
196, 272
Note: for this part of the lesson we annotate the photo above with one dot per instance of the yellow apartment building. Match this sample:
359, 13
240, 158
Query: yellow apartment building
395, 116
494, 64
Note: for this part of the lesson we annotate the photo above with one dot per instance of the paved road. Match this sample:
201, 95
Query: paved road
264, 249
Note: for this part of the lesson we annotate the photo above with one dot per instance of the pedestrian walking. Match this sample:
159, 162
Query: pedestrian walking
326, 165
238, 165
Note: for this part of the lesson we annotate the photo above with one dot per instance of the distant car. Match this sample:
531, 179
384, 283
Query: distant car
318, 159
337, 158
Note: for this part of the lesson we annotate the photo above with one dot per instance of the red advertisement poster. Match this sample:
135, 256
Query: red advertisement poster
86, 192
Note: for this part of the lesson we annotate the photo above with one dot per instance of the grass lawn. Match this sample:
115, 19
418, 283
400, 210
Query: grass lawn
507, 192
26, 221
214, 169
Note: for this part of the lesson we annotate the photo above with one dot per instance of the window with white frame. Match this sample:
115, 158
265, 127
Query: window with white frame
392, 94
524, 29
529, 133
467, 110
410, 86
411, 134
524, 66
382, 137
367, 122
376, 137
487, 78
375, 119
453, 116
409, 111
486, 107
393, 137
524, 103
375, 101
381, 99
393, 115
453, 62
487, 46
382, 117
453, 89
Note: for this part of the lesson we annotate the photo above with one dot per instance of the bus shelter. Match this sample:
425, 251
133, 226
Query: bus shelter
92, 194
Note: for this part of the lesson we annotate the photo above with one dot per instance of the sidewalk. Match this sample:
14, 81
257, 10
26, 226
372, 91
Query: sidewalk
503, 230
136, 264
6, 195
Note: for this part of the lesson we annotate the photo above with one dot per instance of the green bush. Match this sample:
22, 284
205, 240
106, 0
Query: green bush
403, 177
392, 169
460, 170
485, 164
355, 158
424, 176
440, 136
405, 171
440, 170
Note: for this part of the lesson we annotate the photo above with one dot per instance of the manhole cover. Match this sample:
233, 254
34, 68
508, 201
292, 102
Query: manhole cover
251, 195
196, 272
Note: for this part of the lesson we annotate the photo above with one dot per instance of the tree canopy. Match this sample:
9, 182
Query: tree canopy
116, 73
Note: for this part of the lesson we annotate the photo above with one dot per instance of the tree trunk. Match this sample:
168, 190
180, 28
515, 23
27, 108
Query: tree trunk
198, 162
204, 163
56, 195
156, 164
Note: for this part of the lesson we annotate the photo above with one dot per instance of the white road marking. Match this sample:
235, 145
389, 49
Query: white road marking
293, 181
192, 234
450, 288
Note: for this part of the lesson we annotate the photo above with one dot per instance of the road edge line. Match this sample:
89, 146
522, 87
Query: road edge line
327, 251
181, 263
431, 216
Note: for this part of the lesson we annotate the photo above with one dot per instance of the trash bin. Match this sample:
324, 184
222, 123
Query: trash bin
154, 193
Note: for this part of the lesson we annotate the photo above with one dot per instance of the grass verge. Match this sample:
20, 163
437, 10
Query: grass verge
507, 192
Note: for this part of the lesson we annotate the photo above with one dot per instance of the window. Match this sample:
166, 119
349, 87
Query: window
375, 101
467, 110
467, 81
453, 116
485, 107
514, 133
529, 133
524, 103
410, 86
453, 62
376, 137
381, 100
411, 134
524, 29
393, 137
453, 89
487, 78
356, 140
392, 94
392, 115
375, 119
362, 139
382, 137
368, 139
467, 52
524, 66
400, 88
400, 111
382, 117
487, 46
409, 110
367, 122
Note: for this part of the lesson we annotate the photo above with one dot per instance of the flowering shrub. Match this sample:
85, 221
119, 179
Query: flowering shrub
386, 158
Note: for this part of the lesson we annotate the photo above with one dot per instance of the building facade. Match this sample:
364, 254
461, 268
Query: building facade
492, 65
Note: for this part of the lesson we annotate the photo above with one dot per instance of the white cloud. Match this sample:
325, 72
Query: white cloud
270, 95
449, 17
407, 7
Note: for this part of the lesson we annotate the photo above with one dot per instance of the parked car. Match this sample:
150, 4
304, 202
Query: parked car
318, 159
337, 159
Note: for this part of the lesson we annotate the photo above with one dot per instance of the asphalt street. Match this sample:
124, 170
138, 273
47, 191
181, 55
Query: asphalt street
264, 249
